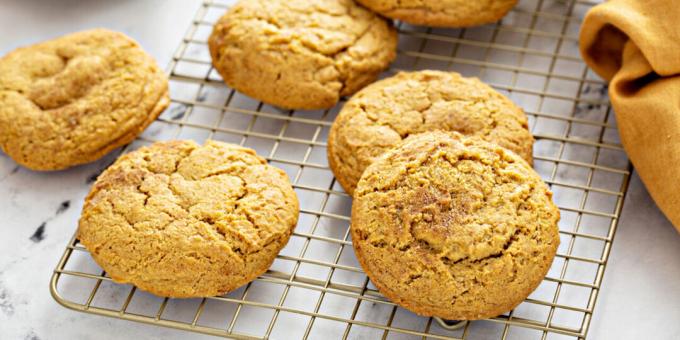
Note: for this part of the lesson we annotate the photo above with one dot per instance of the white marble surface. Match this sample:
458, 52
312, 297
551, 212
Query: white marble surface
639, 298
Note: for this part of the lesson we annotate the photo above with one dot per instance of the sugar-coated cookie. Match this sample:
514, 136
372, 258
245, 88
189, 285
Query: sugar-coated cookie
71, 100
454, 227
182, 220
301, 54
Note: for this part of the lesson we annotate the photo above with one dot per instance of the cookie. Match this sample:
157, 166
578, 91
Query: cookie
454, 227
442, 13
377, 118
181, 220
71, 100
301, 54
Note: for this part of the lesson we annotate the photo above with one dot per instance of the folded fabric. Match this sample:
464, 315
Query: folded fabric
635, 44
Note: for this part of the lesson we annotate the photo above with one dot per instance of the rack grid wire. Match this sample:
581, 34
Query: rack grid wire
315, 288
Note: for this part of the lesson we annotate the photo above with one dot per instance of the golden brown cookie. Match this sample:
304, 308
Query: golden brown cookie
301, 54
377, 118
182, 220
73, 99
442, 13
454, 227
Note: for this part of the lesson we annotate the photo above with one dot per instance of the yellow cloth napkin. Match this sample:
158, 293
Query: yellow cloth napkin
635, 44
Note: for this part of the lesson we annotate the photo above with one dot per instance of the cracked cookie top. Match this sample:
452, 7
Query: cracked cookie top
380, 116
182, 220
454, 227
442, 13
301, 54
73, 99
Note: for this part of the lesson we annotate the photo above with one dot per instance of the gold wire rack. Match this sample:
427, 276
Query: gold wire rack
315, 288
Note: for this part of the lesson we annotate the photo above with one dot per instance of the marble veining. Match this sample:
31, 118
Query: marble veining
39, 233
12, 172
6, 305
31, 335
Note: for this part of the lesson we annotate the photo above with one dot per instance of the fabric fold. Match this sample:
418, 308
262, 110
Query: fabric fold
635, 44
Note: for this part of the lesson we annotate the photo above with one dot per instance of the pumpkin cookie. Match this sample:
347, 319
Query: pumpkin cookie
377, 118
442, 13
301, 54
71, 100
454, 227
182, 220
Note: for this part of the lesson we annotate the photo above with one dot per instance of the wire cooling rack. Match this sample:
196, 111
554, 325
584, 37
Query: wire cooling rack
315, 288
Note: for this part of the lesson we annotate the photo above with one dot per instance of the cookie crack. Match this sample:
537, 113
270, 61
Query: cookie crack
411, 278
180, 201
486, 130
334, 56
356, 39
377, 121
433, 156
466, 260
396, 184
